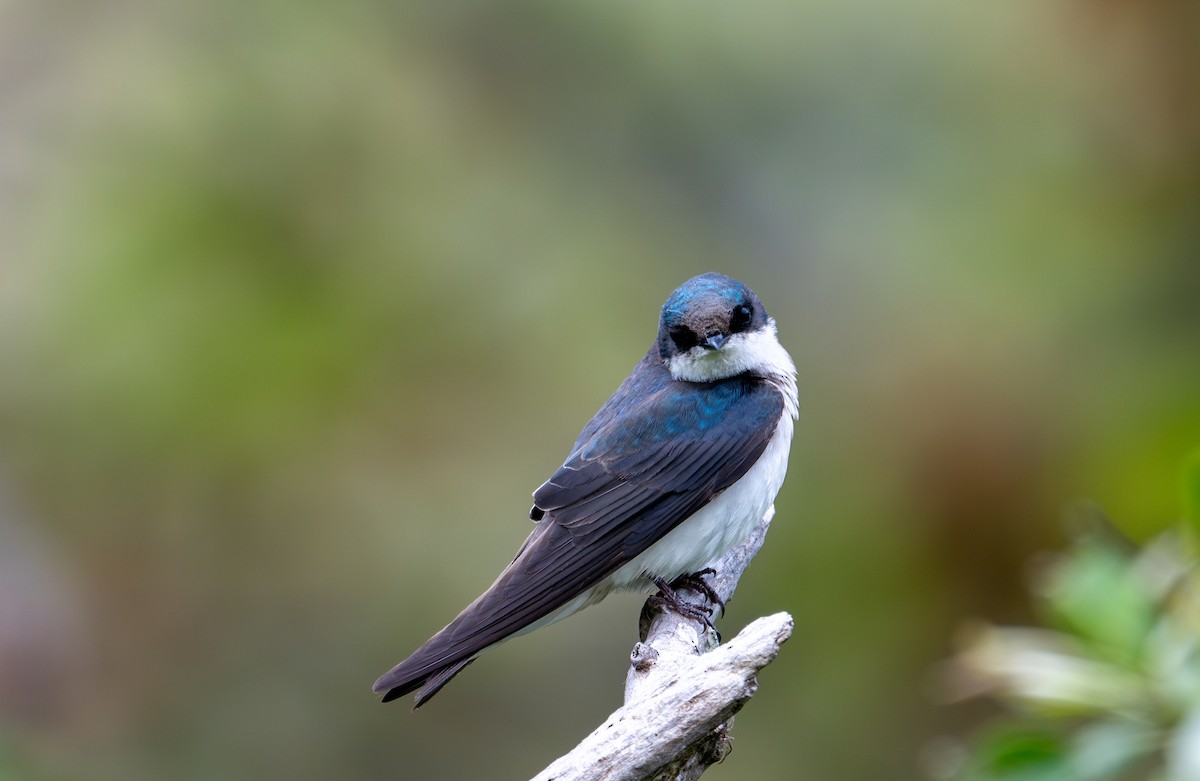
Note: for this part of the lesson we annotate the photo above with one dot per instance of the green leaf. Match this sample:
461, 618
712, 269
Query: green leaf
1095, 594
1021, 753
1050, 672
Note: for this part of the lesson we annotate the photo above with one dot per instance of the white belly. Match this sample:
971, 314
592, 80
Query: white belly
717, 526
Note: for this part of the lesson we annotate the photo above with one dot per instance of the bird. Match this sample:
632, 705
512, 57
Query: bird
677, 467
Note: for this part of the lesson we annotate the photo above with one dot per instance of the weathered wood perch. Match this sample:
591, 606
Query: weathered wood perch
682, 688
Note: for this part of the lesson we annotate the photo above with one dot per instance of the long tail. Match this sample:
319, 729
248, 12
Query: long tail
544, 583
444, 655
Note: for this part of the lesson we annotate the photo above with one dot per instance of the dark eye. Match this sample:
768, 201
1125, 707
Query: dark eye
683, 338
740, 318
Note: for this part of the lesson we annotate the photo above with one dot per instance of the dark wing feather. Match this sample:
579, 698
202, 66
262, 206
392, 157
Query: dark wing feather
622, 489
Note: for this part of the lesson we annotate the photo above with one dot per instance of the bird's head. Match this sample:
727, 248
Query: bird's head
714, 327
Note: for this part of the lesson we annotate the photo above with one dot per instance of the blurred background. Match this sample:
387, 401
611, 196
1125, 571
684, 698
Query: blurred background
300, 301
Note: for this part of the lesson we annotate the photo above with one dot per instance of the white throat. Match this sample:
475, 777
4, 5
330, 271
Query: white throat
758, 352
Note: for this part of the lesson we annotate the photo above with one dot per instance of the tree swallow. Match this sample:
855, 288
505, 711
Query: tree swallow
676, 468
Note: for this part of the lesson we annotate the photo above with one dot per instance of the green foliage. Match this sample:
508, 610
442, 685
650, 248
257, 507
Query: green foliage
1112, 693
1022, 754
1096, 596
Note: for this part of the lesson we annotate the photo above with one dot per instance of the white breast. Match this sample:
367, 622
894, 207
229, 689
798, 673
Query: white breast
717, 526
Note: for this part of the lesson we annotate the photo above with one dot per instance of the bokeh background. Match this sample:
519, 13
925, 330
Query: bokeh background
299, 301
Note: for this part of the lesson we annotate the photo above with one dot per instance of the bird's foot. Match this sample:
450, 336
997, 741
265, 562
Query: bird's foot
696, 582
668, 598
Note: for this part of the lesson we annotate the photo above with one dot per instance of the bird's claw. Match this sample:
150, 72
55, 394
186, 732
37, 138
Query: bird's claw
668, 599
696, 582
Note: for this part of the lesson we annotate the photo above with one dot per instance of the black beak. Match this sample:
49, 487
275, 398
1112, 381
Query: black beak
714, 341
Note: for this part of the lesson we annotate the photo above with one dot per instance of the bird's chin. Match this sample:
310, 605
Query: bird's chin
701, 364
